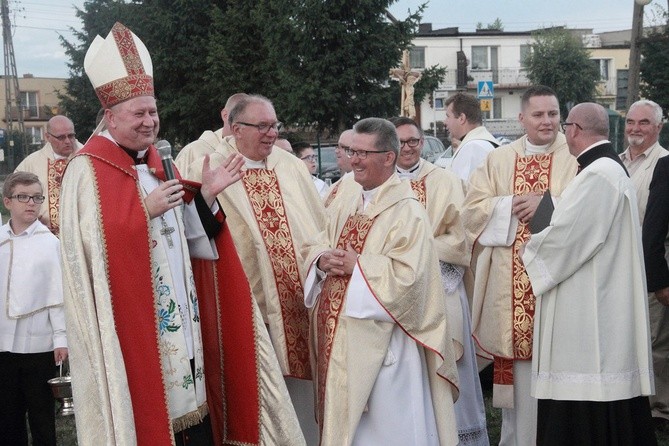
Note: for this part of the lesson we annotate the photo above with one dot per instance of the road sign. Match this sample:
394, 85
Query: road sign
486, 104
485, 90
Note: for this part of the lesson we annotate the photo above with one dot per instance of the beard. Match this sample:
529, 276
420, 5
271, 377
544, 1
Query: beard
635, 140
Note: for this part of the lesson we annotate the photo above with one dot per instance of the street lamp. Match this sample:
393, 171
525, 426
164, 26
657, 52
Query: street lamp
635, 53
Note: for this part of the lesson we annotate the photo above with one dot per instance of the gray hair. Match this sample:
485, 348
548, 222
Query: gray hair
386, 135
243, 104
657, 110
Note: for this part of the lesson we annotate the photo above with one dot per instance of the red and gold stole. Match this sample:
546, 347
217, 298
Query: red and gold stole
55, 171
125, 226
532, 174
333, 194
420, 190
262, 188
230, 344
329, 303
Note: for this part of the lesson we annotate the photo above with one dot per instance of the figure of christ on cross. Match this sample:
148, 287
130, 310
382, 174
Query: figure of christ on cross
408, 79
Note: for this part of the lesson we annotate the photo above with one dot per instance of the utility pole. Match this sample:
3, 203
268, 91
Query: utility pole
635, 53
12, 92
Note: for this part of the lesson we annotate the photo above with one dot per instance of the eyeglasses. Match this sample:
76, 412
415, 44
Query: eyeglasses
362, 154
411, 142
37, 199
63, 138
342, 147
309, 158
264, 128
564, 126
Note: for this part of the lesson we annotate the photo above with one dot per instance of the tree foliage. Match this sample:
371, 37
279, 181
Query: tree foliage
654, 72
324, 63
496, 25
559, 60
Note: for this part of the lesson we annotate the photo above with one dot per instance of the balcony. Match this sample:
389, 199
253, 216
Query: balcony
501, 77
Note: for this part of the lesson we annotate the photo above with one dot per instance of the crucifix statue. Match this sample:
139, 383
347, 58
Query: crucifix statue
407, 78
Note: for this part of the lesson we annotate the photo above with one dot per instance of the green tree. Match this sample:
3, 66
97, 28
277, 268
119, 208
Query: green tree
655, 69
334, 58
324, 64
97, 17
559, 60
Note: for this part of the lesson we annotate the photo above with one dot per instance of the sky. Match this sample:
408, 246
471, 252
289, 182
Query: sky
37, 24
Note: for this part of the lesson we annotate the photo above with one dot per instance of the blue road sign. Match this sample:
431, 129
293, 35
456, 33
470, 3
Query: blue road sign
485, 90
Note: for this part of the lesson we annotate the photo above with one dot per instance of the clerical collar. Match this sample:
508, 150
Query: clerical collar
138, 157
407, 173
531, 149
368, 196
253, 164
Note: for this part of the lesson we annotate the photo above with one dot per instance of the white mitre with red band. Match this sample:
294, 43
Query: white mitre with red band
119, 67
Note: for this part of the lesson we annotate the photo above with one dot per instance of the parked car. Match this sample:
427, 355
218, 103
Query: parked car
329, 170
432, 148
445, 158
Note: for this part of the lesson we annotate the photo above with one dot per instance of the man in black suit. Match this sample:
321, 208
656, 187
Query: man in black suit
655, 228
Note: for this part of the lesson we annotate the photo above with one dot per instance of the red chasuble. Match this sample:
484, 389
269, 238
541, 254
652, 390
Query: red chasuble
125, 227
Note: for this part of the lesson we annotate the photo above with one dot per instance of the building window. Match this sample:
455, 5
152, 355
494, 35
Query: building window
525, 51
439, 103
34, 135
29, 103
497, 108
480, 58
417, 57
603, 68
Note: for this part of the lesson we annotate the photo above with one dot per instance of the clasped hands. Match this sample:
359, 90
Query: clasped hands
524, 206
338, 262
169, 194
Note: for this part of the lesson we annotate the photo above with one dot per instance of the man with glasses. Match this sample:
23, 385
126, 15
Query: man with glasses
209, 139
381, 339
591, 365
271, 213
502, 197
48, 164
464, 121
440, 192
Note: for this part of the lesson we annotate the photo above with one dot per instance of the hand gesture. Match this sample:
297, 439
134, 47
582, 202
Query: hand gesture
214, 181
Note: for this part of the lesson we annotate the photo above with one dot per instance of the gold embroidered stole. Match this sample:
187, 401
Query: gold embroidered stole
531, 174
329, 304
420, 190
332, 195
54, 178
262, 188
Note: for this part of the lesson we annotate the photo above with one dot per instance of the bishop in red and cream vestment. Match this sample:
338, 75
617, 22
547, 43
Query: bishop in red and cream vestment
385, 367
136, 386
158, 343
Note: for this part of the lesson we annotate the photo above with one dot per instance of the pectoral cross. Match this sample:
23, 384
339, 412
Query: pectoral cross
167, 232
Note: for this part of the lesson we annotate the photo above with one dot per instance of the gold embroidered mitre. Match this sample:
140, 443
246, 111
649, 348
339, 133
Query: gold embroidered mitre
119, 67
